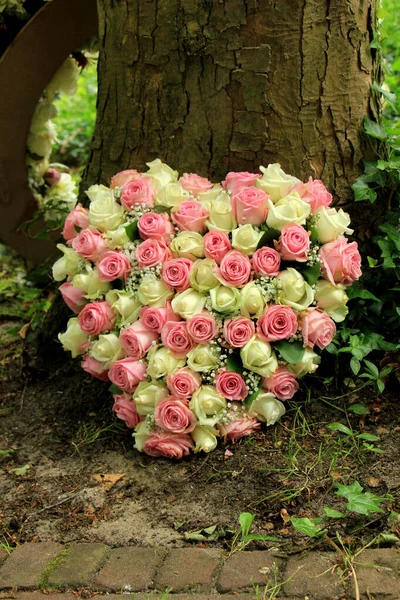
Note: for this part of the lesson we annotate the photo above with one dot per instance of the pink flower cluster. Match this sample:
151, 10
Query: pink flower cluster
184, 309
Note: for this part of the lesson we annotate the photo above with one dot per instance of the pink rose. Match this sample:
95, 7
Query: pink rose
234, 430
73, 297
231, 385
190, 216
183, 383
174, 415
294, 243
175, 273
250, 205
137, 193
235, 182
114, 265
137, 339
202, 328
96, 317
52, 176
281, 383
237, 332
341, 261
155, 226
194, 183
127, 373
317, 328
90, 244
77, 219
170, 445
154, 319
123, 177
314, 192
216, 245
174, 335
279, 322
266, 261
234, 270
125, 409
152, 252
94, 367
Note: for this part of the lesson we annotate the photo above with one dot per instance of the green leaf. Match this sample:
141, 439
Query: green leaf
258, 536
234, 363
375, 130
390, 97
312, 274
355, 365
20, 471
387, 538
333, 514
358, 409
77, 228
371, 368
251, 397
370, 437
359, 292
292, 352
268, 237
362, 503
362, 191
245, 520
307, 526
372, 262
392, 232
347, 491
132, 231
114, 389
336, 426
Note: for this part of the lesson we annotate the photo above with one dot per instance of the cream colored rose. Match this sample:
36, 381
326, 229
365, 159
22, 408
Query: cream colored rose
205, 438
107, 349
259, 357
161, 362
308, 364
332, 299
90, 283
148, 395
276, 182
252, 302
267, 408
160, 173
246, 239
188, 244
125, 305
331, 223
171, 195
104, 212
142, 434
294, 290
202, 358
154, 292
201, 276
224, 299
207, 405
65, 79
220, 215
68, 264
217, 192
188, 303
117, 238
290, 209
74, 339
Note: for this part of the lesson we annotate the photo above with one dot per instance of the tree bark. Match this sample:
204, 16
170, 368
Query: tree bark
212, 86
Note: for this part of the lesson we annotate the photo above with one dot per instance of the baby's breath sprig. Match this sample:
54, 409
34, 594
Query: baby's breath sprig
270, 287
313, 255
252, 381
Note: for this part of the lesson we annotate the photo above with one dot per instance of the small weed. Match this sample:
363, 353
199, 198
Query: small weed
273, 588
89, 433
243, 537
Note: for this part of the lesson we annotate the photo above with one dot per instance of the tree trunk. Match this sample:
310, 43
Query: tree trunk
212, 86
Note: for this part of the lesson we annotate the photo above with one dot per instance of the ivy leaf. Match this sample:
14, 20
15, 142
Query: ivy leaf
20, 471
114, 389
307, 526
375, 130
389, 96
268, 237
132, 231
292, 352
234, 363
392, 232
362, 191
359, 502
251, 397
312, 274
333, 514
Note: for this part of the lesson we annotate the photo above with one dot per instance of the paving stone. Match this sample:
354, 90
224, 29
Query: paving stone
188, 568
3, 555
79, 565
244, 569
383, 580
39, 596
311, 575
140, 596
25, 565
130, 569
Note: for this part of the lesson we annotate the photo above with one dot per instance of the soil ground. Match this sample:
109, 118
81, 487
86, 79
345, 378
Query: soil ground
58, 421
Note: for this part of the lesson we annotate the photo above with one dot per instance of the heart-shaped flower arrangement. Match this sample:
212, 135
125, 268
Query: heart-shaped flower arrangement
203, 304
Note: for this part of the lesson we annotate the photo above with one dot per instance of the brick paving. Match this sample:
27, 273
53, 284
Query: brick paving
50, 571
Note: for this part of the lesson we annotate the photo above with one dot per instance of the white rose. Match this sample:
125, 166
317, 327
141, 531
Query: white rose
246, 238
202, 358
275, 182
154, 292
160, 173
148, 395
74, 339
188, 303
252, 302
259, 357
116, 238
267, 408
90, 283
107, 349
42, 144
44, 111
221, 217
65, 80
161, 362
224, 299
142, 434
332, 299
68, 264
290, 209
205, 438
188, 244
308, 364
216, 192
171, 195
104, 212
207, 405
125, 305
330, 224
294, 290
201, 275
